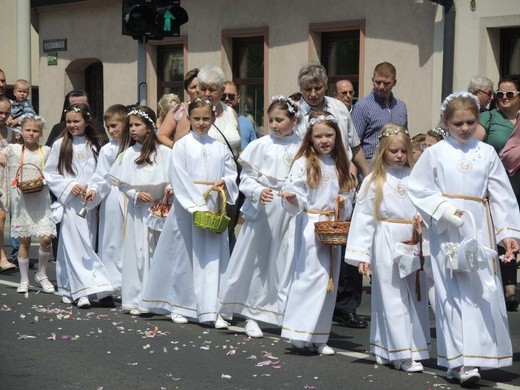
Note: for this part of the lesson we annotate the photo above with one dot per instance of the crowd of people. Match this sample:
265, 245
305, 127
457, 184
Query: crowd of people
150, 216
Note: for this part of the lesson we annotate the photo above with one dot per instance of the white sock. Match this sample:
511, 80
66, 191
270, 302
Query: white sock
23, 266
43, 260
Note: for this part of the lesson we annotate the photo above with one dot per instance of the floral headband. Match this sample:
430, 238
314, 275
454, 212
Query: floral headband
322, 118
143, 115
76, 109
439, 131
389, 133
292, 106
33, 117
207, 101
455, 95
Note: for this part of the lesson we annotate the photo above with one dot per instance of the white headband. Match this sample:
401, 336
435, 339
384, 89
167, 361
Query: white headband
144, 115
455, 95
322, 118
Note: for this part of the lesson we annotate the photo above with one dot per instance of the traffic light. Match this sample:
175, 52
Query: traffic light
169, 18
152, 19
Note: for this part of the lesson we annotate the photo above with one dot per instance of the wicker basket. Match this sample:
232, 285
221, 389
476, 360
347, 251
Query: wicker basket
32, 185
208, 220
332, 232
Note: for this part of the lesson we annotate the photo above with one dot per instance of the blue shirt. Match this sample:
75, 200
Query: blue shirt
371, 113
247, 131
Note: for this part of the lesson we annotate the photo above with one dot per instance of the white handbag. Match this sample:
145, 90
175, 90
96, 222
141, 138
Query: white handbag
466, 256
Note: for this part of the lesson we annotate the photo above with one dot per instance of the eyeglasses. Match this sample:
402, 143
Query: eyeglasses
230, 96
345, 93
487, 93
508, 94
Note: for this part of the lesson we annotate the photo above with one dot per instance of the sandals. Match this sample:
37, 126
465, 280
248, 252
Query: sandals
8, 266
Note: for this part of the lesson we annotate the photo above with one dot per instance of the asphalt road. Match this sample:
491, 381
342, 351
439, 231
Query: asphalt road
45, 344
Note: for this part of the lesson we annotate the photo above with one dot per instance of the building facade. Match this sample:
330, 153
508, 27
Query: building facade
261, 45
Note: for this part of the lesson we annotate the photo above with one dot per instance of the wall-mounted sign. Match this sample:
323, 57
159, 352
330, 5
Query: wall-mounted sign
52, 58
54, 45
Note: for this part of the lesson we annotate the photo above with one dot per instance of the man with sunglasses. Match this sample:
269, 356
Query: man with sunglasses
345, 93
232, 98
482, 88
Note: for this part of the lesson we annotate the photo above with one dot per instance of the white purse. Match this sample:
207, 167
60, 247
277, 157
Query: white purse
466, 256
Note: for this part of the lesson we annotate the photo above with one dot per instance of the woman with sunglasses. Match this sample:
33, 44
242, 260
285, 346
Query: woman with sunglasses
495, 128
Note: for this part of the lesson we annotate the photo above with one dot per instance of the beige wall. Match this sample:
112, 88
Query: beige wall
477, 38
97, 35
8, 45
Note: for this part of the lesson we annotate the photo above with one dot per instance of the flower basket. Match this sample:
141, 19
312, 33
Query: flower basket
208, 220
332, 232
157, 214
31, 185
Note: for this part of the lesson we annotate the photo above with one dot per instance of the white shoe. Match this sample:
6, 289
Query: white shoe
220, 323
23, 288
408, 365
47, 286
382, 360
83, 303
298, 344
466, 375
178, 319
134, 312
324, 349
66, 300
253, 330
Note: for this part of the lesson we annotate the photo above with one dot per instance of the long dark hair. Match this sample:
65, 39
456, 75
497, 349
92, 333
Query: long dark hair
94, 141
339, 155
149, 146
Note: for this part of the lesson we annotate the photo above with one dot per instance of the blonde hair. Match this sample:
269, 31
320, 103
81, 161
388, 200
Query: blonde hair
389, 132
165, 103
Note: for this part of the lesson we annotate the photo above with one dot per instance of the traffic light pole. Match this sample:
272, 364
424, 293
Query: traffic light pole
141, 73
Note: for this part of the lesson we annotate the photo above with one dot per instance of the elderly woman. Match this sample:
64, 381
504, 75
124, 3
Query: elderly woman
225, 129
175, 124
495, 128
482, 88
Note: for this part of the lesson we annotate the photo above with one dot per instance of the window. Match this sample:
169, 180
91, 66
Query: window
340, 56
170, 70
248, 75
510, 51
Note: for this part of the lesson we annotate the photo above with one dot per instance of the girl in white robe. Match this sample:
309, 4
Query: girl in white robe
456, 175
383, 217
69, 167
141, 174
256, 281
102, 190
189, 261
318, 181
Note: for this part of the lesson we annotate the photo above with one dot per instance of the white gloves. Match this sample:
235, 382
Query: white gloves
450, 217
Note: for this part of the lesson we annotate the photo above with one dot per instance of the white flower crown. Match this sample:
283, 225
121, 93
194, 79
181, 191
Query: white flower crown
439, 131
455, 95
198, 99
292, 106
144, 115
322, 118
388, 133
33, 117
